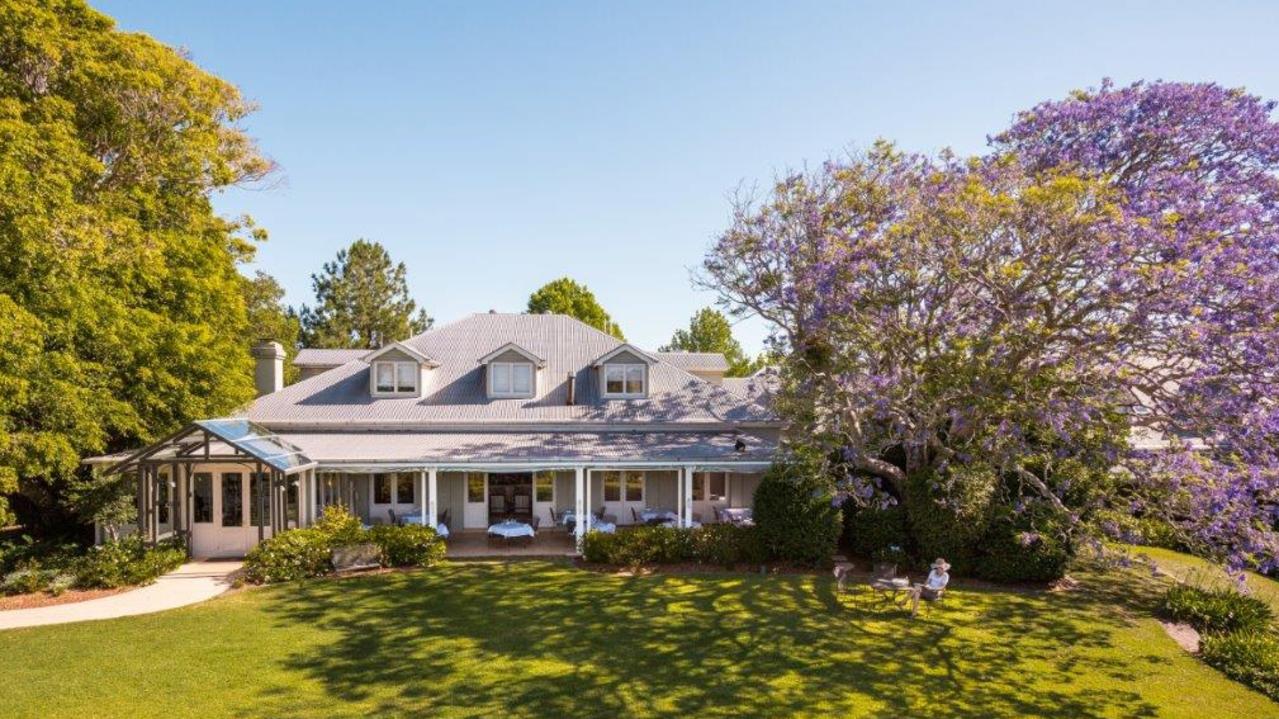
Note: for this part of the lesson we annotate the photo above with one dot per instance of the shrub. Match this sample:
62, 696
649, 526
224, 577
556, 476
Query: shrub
411, 545
1026, 545
1216, 610
727, 545
126, 562
340, 527
294, 554
1251, 658
868, 530
948, 513
600, 548
652, 545
27, 580
794, 515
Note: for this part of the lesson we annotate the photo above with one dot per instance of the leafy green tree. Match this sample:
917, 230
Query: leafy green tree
567, 297
710, 331
362, 301
121, 306
271, 319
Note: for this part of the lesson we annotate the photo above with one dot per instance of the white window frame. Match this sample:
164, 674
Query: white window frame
544, 477
626, 370
508, 368
396, 368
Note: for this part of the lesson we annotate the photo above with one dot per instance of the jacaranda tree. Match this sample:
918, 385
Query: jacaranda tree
1112, 262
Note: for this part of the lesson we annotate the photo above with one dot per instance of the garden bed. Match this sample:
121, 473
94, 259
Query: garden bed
41, 599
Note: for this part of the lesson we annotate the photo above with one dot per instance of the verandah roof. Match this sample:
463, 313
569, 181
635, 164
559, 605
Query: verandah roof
224, 439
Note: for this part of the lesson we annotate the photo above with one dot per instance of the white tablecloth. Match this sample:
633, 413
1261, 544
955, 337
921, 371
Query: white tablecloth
440, 529
649, 515
738, 515
511, 529
569, 520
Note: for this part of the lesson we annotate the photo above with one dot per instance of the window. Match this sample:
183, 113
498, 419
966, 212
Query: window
717, 487
699, 487
259, 499
404, 488
475, 487
202, 499
544, 487
291, 501
232, 499
395, 377
624, 380
511, 379
612, 486
635, 486
382, 489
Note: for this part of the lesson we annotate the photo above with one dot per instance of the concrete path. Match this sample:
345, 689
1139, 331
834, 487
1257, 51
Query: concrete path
191, 583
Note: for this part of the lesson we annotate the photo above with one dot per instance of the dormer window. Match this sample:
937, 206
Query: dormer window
397, 370
623, 373
625, 380
396, 377
511, 371
511, 379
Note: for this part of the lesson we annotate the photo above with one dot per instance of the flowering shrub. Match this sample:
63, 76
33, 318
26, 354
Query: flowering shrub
120, 563
1248, 657
1218, 610
295, 554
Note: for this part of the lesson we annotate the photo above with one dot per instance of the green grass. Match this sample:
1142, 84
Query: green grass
543, 639
1200, 571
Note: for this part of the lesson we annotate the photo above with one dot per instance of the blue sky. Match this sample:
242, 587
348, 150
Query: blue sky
495, 146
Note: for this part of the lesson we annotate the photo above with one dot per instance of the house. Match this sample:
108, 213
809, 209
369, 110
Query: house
489, 416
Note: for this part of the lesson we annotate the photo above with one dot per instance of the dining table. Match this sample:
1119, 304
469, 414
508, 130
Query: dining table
593, 523
440, 527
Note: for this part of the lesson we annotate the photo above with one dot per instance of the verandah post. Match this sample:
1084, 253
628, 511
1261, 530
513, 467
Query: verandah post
579, 507
688, 493
433, 496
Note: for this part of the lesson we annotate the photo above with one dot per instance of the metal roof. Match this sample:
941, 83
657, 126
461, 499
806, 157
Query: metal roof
461, 448
695, 361
326, 357
454, 392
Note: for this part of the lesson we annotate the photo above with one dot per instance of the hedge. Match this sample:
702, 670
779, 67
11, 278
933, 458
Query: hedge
308, 552
717, 544
119, 563
1216, 610
795, 516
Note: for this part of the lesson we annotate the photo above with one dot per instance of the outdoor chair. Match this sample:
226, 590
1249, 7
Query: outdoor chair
599, 513
555, 518
697, 517
635, 516
929, 597
391, 514
444, 519
842, 570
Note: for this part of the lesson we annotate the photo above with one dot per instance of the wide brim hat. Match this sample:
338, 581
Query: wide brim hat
942, 565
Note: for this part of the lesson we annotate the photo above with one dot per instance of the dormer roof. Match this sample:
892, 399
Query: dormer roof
624, 348
512, 347
421, 357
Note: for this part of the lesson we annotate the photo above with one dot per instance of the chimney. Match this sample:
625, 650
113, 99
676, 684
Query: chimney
268, 374
571, 386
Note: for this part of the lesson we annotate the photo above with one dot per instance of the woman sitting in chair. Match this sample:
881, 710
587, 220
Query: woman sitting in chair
931, 590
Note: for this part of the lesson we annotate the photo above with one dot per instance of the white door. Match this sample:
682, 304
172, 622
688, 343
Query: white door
624, 495
710, 491
543, 496
204, 533
231, 514
476, 512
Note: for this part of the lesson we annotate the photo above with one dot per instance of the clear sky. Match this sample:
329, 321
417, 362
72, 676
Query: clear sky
493, 146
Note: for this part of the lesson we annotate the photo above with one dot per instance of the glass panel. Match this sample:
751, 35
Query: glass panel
381, 489
612, 486
699, 486
292, 498
232, 499
718, 486
522, 378
501, 378
614, 379
202, 499
635, 486
385, 376
475, 487
544, 487
635, 379
162, 498
232, 429
404, 484
405, 377
259, 499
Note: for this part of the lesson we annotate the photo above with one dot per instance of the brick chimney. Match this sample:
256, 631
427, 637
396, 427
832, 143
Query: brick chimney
268, 374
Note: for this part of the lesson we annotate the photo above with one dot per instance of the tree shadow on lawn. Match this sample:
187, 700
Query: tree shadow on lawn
524, 638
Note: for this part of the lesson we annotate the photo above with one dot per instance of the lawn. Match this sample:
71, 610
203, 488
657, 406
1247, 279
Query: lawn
538, 638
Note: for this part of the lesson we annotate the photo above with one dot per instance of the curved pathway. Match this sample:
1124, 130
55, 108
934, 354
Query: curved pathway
191, 583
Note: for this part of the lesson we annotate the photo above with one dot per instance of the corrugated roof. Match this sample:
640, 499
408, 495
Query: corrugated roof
516, 447
695, 361
755, 388
454, 392
311, 357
